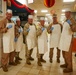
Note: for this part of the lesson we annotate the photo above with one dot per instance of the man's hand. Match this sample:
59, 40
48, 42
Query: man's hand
28, 30
69, 22
10, 26
43, 29
51, 28
20, 30
15, 39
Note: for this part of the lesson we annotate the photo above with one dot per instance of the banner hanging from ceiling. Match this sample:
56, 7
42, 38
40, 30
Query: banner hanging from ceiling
20, 6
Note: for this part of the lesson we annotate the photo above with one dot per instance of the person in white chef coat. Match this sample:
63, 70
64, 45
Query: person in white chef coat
30, 38
65, 45
42, 38
7, 30
55, 31
18, 40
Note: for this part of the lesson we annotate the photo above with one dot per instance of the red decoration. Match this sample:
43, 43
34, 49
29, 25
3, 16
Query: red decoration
21, 6
49, 3
74, 45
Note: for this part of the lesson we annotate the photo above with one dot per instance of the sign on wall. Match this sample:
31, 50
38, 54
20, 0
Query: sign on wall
22, 1
30, 1
1, 7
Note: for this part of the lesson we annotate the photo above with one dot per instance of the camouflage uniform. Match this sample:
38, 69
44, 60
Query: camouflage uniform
17, 34
51, 49
28, 52
1, 46
40, 54
67, 55
5, 56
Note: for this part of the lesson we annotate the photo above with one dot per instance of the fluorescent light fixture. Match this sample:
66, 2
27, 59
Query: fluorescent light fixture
35, 11
49, 17
62, 14
68, 0
47, 14
46, 19
22, 1
63, 10
30, 1
44, 10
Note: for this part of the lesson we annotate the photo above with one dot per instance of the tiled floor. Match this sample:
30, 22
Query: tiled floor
47, 68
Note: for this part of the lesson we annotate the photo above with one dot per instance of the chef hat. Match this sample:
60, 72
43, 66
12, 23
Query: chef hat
54, 15
68, 10
9, 11
30, 16
17, 19
42, 18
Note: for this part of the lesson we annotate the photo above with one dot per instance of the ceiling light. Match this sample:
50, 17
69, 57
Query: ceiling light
44, 10
62, 14
47, 14
68, 0
63, 10
35, 11
22, 1
30, 1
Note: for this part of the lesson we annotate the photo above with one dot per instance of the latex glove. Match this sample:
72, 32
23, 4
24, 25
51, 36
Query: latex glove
69, 22
28, 30
10, 26
43, 29
51, 28
20, 30
15, 39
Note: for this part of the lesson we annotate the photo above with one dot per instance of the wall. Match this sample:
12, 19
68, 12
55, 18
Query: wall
74, 15
3, 9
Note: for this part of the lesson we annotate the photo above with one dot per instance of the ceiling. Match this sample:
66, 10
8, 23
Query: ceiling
58, 6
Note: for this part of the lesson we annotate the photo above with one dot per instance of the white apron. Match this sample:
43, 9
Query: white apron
66, 37
8, 39
55, 36
31, 37
19, 43
42, 42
